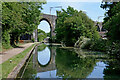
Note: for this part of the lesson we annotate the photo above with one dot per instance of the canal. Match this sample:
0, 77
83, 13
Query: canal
53, 61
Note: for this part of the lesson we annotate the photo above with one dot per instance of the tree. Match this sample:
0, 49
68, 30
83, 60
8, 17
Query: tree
108, 6
71, 24
41, 35
19, 18
112, 25
112, 20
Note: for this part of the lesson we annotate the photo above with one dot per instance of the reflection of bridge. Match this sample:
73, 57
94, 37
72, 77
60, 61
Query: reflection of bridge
49, 67
51, 20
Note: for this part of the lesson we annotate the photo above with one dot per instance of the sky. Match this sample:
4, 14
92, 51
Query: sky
91, 7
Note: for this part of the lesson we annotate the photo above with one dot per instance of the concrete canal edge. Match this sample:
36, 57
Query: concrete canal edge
17, 68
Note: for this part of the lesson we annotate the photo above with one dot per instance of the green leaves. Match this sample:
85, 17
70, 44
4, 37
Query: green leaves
72, 24
112, 21
41, 35
20, 18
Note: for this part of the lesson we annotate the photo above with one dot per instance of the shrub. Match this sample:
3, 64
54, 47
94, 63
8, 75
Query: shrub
98, 45
33, 40
114, 50
86, 43
6, 40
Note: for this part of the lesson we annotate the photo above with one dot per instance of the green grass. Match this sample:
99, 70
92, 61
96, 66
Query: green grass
7, 67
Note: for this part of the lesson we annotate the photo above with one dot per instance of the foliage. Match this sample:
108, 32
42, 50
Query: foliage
33, 40
41, 47
113, 70
98, 45
108, 7
19, 18
6, 40
69, 65
30, 71
114, 50
71, 24
41, 35
111, 48
53, 39
48, 34
113, 28
112, 20
112, 24
95, 45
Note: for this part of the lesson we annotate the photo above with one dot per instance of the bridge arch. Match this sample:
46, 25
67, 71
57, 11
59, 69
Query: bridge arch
44, 57
49, 22
51, 19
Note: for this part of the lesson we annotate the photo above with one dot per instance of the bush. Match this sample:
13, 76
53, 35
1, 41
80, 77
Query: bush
86, 43
6, 40
114, 50
111, 48
33, 40
98, 45
39, 39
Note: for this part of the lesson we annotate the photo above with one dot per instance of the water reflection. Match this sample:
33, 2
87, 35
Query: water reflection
44, 56
112, 70
70, 66
47, 74
98, 70
66, 63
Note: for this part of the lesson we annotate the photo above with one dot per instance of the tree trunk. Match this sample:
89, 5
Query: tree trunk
12, 39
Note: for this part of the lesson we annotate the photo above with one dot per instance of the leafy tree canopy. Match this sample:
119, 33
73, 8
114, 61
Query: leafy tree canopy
71, 24
19, 18
41, 35
112, 20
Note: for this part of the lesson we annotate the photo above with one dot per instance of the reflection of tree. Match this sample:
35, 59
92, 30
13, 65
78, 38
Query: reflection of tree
113, 70
41, 47
29, 69
70, 66
85, 53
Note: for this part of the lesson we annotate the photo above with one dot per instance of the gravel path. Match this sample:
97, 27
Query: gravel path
12, 52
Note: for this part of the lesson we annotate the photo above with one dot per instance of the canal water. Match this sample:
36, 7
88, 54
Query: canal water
53, 61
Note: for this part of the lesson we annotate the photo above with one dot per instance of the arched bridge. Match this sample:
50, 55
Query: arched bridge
100, 29
51, 19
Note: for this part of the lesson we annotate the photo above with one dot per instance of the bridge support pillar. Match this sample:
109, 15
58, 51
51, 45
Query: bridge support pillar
35, 35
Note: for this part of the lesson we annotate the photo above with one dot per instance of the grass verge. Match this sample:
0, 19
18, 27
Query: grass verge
7, 67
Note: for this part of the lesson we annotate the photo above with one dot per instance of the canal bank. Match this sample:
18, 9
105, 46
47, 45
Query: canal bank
11, 67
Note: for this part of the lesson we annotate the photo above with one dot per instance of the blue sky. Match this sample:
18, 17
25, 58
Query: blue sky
92, 9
